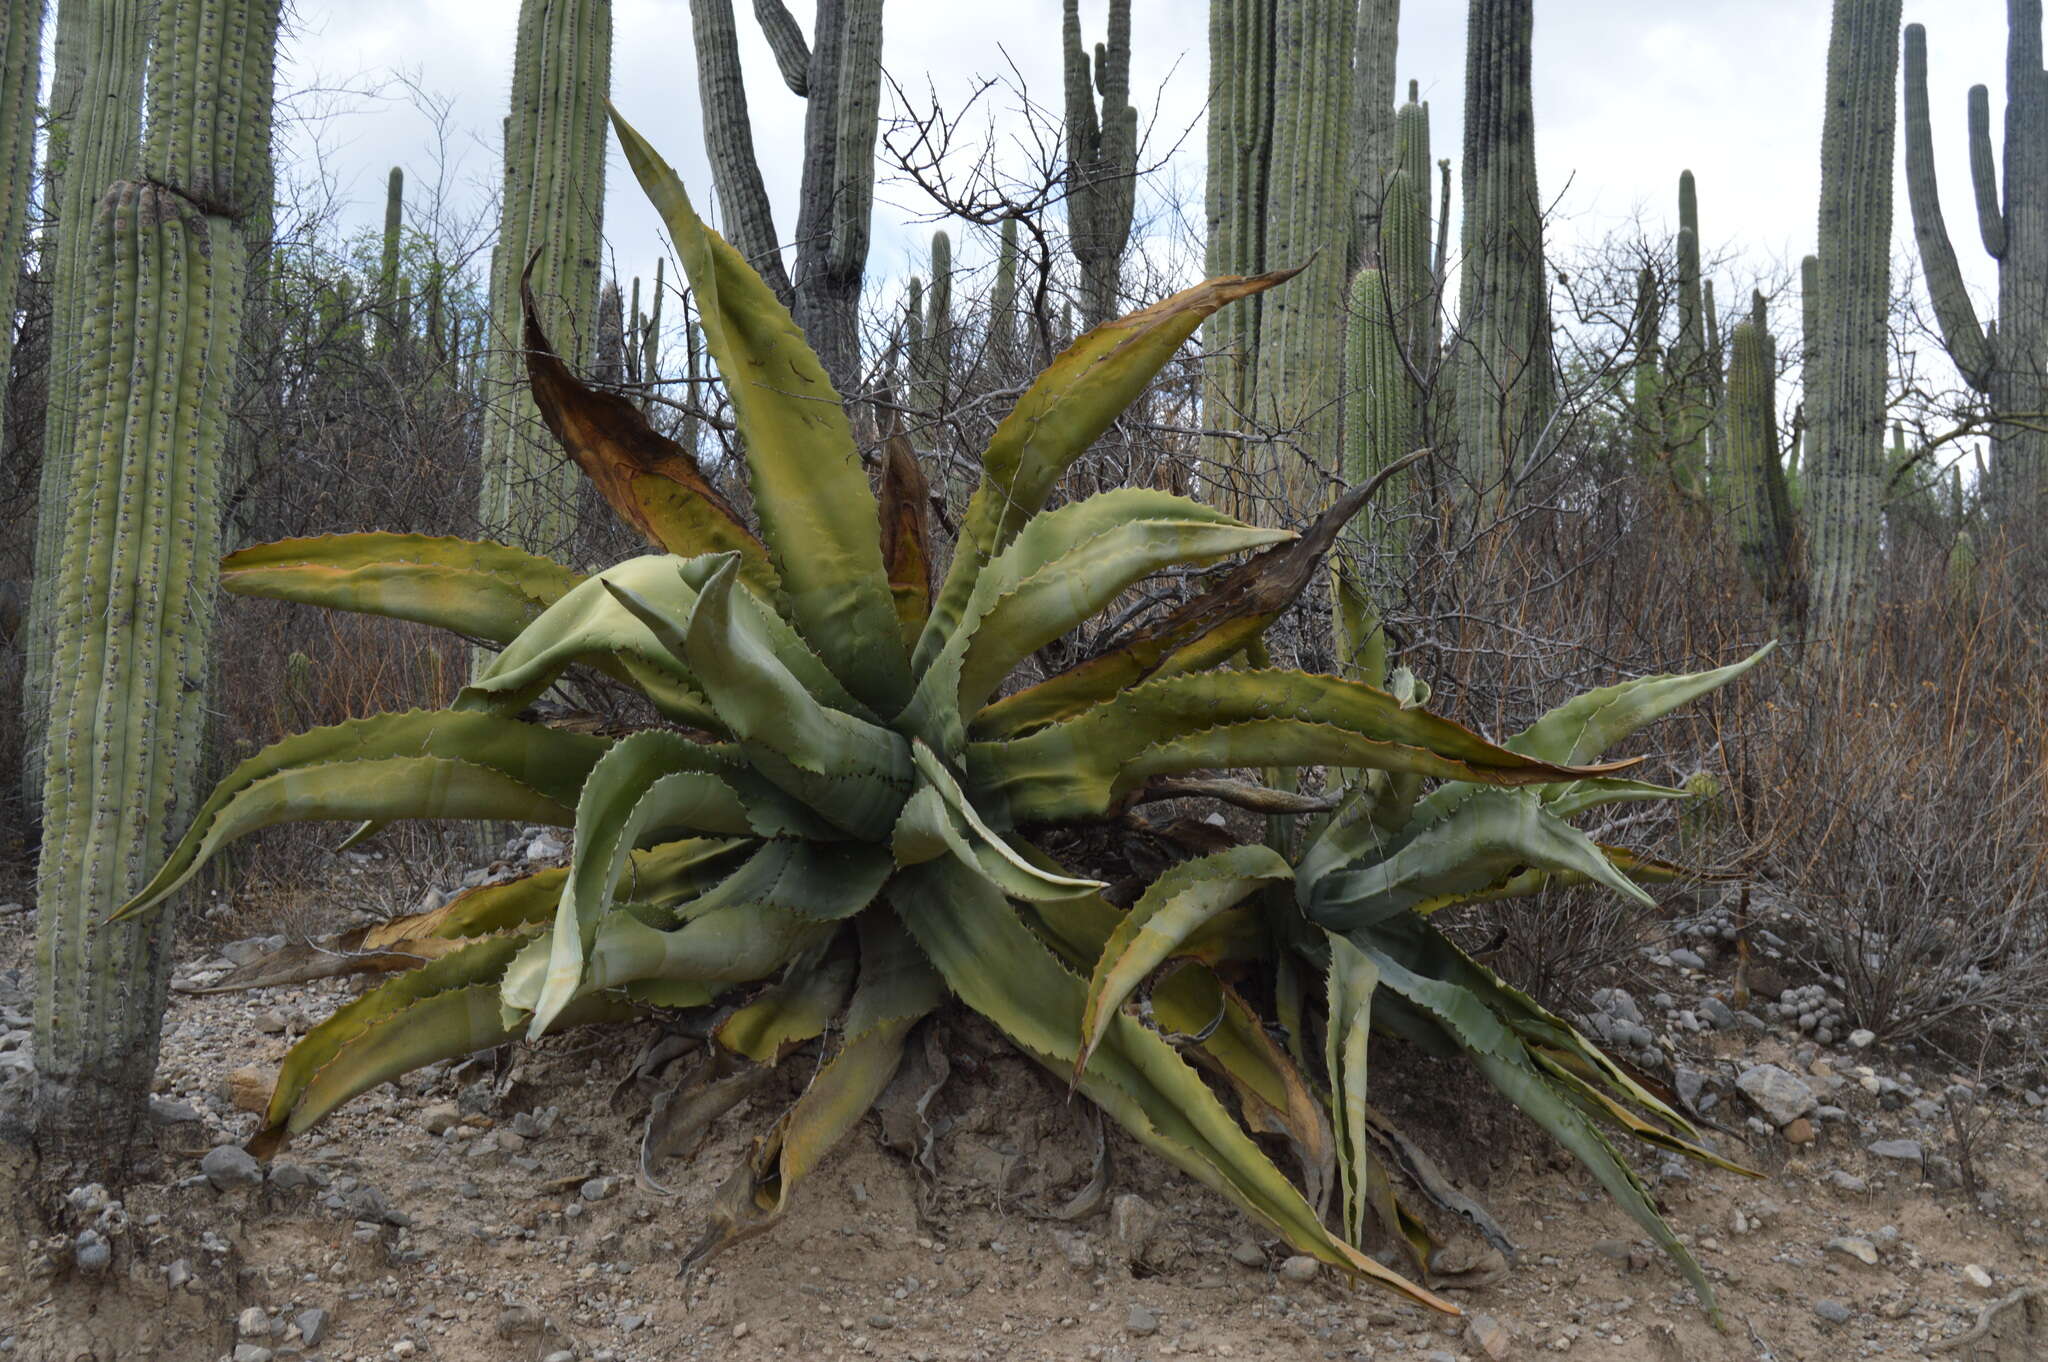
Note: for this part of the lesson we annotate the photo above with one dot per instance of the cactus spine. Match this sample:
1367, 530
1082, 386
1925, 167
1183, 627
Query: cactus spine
1845, 471
1505, 388
1751, 478
1102, 156
2003, 362
166, 263
553, 201
95, 128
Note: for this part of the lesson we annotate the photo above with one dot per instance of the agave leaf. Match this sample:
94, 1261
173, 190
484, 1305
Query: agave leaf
1273, 1096
481, 962
1198, 635
651, 782
653, 483
1603, 1106
997, 967
1065, 410
1506, 1063
1562, 801
1351, 980
940, 819
1185, 898
1086, 766
855, 774
479, 590
726, 946
1587, 725
906, 532
463, 1021
419, 764
897, 989
797, 1008
1059, 572
1493, 835
817, 514
818, 881
588, 624
1641, 869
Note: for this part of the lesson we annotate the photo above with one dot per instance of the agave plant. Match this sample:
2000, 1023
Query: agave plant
837, 824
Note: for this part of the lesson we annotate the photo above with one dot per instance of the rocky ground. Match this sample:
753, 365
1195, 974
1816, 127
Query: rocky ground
493, 1210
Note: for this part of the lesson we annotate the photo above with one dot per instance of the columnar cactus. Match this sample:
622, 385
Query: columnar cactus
1240, 147
1102, 156
95, 127
166, 263
1845, 471
1413, 283
388, 328
839, 74
1375, 137
1647, 396
1381, 424
1002, 313
1688, 391
21, 53
1751, 478
2004, 363
1505, 385
610, 364
650, 346
931, 347
553, 202
1308, 208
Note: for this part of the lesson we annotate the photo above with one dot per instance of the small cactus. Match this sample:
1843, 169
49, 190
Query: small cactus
389, 327
1752, 481
1002, 313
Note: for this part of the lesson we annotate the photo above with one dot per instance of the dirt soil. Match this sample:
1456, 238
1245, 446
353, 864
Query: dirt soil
520, 1233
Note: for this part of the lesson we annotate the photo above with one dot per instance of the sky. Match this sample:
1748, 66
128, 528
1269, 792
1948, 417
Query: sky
1626, 95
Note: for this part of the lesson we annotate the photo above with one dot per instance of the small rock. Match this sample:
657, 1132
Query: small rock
1862, 1250
1717, 1014
1300, 1268
1141, 1322
1976, 1276
1862, 1039
1133, 1223
739, 1331
1078, 1252
1484, 1333
1247, 1254
252, 1352
178, 1273
545, 847
289, 1177
1783, 1097
1688, 959
248, 1088
312, 1325
515, 1320
1848, 1182
1834, 1312
440, 1118
1905, 1150
405, 1347
228, 1166
166, 1112
271, 1022
1616, 1249
1800, 1131
597, 1189
253, 1322
561, 1355
92, 1253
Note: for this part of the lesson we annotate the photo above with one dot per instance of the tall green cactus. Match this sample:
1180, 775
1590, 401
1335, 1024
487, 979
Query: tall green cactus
932, 355
21, 51
1751, 478
1002, 312
165, 263
1844, 472
389, 329
610, 363
95, 128
2002, 362
1413, 283
553, 202
1505, 388
1647, 396
839, 75
650, 346
1381, 424
1375, 132
1102, 156
1689, 389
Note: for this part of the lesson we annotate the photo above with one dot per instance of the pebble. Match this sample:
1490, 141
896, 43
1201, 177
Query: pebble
1848, 1182
739, 1331
440, 1118
1717, 1014
252, 1352
1485, 1333
228, 1166
1834, 1312
514, 1320
271, 1023
92, 1253
1862, 1039
1862, 1250
1688, 959
253, 1322
1800, 1131
1133, 1223
598, 1189
1300, 1268
405, 1347
1906, 1150
1779, 1094
312, 1325
1141, 1322
1976, 1276
1247, 1254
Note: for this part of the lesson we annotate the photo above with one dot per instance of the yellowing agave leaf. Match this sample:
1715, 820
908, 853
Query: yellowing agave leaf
1587, 725
818, 516
479, 590
790, 1012
906, 532
1184, 899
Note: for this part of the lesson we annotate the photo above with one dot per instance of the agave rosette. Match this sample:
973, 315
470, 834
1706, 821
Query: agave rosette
833, 833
